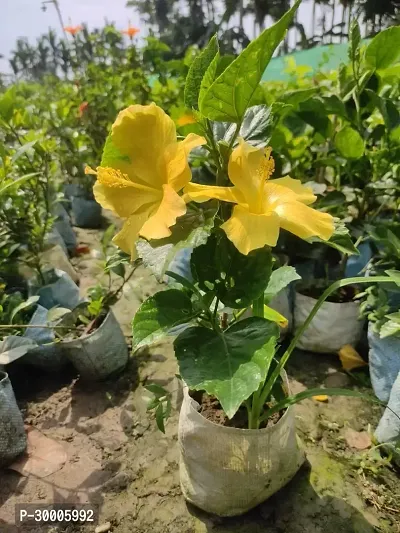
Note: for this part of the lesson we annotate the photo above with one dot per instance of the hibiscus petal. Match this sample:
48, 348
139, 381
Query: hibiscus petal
203, 193
304, 221
250, 231
113, 190
304, 194
129, 234
248, 169
171, 207
143, 133
176, 156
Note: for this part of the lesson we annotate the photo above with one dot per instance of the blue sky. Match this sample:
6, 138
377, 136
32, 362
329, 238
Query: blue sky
25, 18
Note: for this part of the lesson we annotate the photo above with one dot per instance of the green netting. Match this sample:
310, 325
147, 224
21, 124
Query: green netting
324, 58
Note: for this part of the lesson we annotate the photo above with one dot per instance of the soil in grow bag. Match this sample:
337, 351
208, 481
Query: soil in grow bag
341, 296
211, 409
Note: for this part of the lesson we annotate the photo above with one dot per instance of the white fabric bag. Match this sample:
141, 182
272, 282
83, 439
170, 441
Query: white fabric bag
228, 471
334, 325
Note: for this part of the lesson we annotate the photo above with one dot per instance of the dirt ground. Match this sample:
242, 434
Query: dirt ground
119, 461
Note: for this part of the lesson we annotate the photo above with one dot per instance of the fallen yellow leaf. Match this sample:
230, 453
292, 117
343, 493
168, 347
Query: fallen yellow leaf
350, 358
321, 398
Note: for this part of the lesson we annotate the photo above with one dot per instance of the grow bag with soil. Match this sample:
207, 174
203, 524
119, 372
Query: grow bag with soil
334, 325
384, 368
99, 354
48, 355
86, 213
59, 291
384, 363
226, 470
63, 225
12, 433
388, 430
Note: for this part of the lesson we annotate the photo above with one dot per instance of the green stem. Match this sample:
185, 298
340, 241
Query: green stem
254, 422
258, 306
334, 287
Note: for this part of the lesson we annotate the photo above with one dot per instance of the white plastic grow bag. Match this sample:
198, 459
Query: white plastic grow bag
12, 433
334, 325
227, 471
99, 354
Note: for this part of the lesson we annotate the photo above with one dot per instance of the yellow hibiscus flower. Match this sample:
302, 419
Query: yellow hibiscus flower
263, 206
143, 181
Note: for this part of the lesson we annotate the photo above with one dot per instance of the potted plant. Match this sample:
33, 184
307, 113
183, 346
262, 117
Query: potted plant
26, 220
381, 307
339, 136
89, 335
12, 433
232, 225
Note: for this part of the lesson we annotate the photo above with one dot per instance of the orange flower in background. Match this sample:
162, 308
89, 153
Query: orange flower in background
131, 31
82, 108
73, 30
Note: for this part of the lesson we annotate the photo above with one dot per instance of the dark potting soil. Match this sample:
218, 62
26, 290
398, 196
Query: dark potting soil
343, 295
83, 330
211, 409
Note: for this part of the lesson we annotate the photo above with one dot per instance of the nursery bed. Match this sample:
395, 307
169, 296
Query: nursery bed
119, 461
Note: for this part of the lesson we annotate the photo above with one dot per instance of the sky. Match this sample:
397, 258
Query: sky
25, 18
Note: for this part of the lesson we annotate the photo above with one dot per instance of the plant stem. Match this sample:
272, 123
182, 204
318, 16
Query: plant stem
258, 306
254, 422
334, 287
216, 311
18, 326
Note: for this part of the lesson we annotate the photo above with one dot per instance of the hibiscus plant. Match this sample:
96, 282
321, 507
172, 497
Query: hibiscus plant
227, 224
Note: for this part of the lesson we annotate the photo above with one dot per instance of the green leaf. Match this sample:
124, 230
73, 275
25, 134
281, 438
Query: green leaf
332, 199
230, 95
157, 390
394, 275
349, 143
340, 240
234, 278
158, 314
384, 49
32, 300
22, 150
230, 364
391, 327
7, 103
198, 71
56, 313
16, 183
313, 112
274, 316
291, 400
295, 98
390, 114
208, 79
224, 62
334, 106
191, 230
256, 127
280, 278
111, 154
160, 418
355, 40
